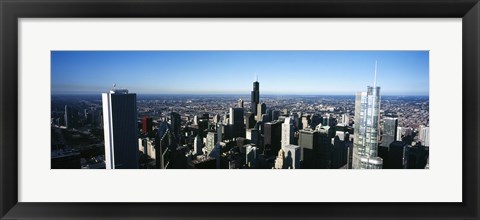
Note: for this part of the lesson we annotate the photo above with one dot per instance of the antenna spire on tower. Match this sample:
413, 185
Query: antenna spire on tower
375, 79
256, 77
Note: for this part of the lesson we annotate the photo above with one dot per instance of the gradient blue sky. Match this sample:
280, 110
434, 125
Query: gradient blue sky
232, 72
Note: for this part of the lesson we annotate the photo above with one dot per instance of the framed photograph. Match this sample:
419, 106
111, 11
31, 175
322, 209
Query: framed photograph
288, 109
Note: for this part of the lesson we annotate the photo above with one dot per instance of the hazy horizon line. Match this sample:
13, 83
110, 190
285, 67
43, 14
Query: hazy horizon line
233, 94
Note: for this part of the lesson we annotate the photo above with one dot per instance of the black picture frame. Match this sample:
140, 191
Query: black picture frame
11, 10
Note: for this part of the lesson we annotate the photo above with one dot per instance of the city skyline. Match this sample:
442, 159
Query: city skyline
304, 135
403, 73
254, 132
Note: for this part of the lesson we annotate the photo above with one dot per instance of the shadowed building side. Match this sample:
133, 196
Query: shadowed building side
255, 99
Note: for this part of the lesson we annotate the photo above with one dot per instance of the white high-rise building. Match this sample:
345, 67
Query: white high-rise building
279, 160
345, 119
287, 132
195, 120
427, 137
240, 103
251, 156
261, 109
216, 119
120, 129
248, 134
366, 128
424, 135
151, 148
399, 134
197, 146
147, 146
211, 140
304, 122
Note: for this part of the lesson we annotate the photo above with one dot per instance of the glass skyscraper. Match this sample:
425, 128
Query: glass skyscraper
367, 116
389, 131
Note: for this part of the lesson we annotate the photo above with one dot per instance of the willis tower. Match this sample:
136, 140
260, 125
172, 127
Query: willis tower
255, 96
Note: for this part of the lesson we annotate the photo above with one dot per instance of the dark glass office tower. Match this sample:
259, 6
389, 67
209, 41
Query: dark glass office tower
255, 97
275, 115
389, 131
120, 129
175, 122
396, 155
416, 157
322, 152
272, 137
339, 154
236, 120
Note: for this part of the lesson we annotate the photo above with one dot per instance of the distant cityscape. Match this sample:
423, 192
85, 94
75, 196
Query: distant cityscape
119, 129
227, 132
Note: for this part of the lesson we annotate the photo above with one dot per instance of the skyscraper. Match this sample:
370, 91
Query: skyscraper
339, 153
275, 115
216, 119
279, 159
325, 119
287, 132
261, 107
236, 120
389, 131
345, 119
322, 149
304, 122
211, 140
416, 157
69, 117
197, 145
165, 144
251, 156
400, 131
367, 115
272, 137
255, 137
424, 135
120, 129
175, 122
195, 120
396, 155
240, 103
307, 140
296, 121
255, 96
147, 124
250, 120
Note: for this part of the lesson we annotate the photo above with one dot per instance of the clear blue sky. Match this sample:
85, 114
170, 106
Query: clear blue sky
232, 72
